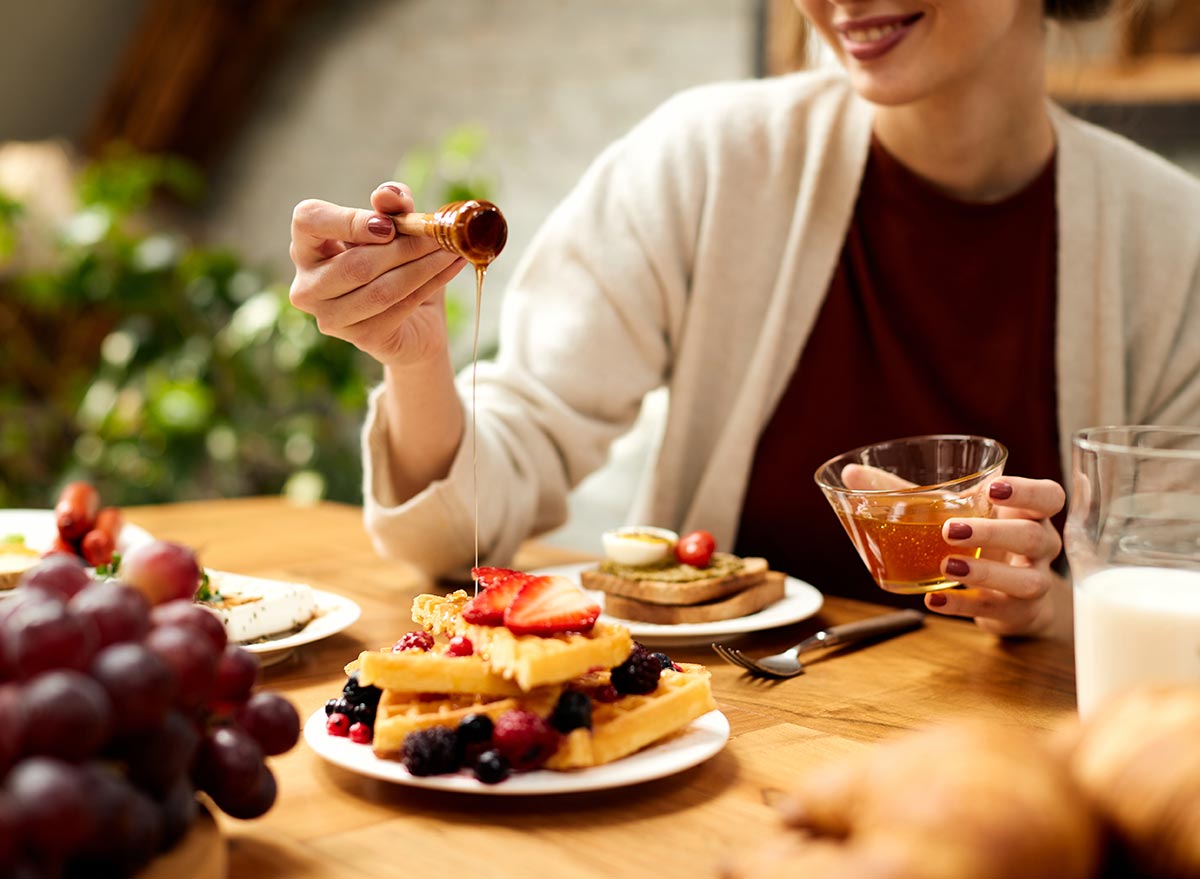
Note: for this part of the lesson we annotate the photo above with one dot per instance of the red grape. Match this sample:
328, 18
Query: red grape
156, 759
272, 721
191, 657
178, 808
12, 725
236, 672
255, 801
190, 616
118, 612
227, 764
42, 635
58, 574
51, 798
10, 829
140, 686
162, 571
68, 715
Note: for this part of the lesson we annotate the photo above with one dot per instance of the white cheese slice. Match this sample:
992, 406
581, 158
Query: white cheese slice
254, 609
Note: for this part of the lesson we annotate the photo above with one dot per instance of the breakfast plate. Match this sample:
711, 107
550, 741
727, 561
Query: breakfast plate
334, 614
699, 741
800, 601
39, 530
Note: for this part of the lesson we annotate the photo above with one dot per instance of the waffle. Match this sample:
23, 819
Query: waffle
632, 722
530, 660
403, 713
619, 728
417, 671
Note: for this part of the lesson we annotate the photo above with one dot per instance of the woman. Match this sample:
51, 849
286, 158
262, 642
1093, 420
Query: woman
922, 244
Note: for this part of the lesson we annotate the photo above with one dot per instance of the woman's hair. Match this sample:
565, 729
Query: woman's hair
1076, 10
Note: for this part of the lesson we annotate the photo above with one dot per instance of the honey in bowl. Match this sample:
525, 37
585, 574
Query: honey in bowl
901, 543
894, 497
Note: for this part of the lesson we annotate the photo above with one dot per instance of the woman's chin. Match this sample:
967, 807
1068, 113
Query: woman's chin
885, 91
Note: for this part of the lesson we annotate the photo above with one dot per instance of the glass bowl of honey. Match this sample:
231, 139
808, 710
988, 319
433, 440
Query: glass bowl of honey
893, 498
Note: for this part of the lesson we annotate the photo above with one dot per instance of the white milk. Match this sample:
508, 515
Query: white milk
1135, 625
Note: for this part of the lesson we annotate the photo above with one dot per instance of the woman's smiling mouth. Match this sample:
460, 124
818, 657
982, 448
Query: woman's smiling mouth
869, 38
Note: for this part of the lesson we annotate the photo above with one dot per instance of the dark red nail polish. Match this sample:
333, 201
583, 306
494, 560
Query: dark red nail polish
959, 531
380, 226
936, 599
1001, 491
957, 568
392, 187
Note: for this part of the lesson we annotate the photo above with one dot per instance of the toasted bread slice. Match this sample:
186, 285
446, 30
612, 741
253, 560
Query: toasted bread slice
755, 598
752, 572
15, 560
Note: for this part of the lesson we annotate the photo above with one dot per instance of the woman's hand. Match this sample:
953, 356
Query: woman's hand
382, 292
1009, 588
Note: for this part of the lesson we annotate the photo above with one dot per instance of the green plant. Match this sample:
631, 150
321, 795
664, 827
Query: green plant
160, 369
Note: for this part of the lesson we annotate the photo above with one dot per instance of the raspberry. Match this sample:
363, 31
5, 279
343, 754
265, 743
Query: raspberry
524, 739
460, 646
490, 767
413, 641
361, 733
638, 674
337, 724
574, 710
606, 693
432, 751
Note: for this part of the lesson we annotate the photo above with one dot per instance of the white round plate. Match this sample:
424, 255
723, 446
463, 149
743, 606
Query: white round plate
39, 530
334, 613
800, 601
702, 739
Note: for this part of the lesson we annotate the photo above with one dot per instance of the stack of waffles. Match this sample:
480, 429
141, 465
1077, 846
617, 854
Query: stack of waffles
507, 667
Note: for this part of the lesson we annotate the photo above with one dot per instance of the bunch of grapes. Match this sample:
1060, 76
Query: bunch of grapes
115, 709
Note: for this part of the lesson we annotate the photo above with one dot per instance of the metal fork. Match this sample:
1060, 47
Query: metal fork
787, 665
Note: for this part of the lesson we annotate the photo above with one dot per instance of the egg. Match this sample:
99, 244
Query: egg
639, 545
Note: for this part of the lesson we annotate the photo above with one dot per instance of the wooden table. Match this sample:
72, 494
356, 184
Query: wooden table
331, 823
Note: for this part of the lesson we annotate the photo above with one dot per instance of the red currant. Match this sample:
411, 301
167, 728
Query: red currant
337, 724
460, 646
361, 733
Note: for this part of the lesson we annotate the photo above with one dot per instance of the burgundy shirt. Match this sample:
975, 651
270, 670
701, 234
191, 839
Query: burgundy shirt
940, 318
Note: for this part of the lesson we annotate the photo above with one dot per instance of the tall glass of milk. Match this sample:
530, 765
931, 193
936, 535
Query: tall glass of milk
1133, 542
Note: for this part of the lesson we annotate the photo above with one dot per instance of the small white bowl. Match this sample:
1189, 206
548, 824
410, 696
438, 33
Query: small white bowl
639, 545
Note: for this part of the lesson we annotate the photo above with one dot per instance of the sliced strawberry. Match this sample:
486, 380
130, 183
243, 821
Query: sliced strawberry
500, 587
550, 605
489, 577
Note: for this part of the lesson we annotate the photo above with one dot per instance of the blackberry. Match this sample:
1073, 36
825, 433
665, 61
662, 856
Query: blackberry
357, 694
574, 710
665, 661
364, 713
490, 767
432, 751
638, 674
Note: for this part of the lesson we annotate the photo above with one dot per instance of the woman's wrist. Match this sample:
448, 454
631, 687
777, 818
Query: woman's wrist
424, 423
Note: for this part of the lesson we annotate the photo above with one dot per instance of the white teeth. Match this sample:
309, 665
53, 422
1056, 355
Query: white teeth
871, 34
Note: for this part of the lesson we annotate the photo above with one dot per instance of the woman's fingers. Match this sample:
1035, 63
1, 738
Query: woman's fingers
995, 612
371, 280
1015, 496
1030, 538
392, 198
316, 224
860, 477
1025, 582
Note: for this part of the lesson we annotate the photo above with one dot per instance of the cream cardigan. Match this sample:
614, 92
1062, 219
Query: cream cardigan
696, 253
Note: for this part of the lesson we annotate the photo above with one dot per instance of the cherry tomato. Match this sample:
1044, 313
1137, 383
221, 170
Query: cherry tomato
696, 549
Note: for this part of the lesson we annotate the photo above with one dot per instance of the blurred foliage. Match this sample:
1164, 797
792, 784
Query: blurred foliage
160, 369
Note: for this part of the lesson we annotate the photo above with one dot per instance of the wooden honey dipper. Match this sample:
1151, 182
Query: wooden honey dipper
473, 229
